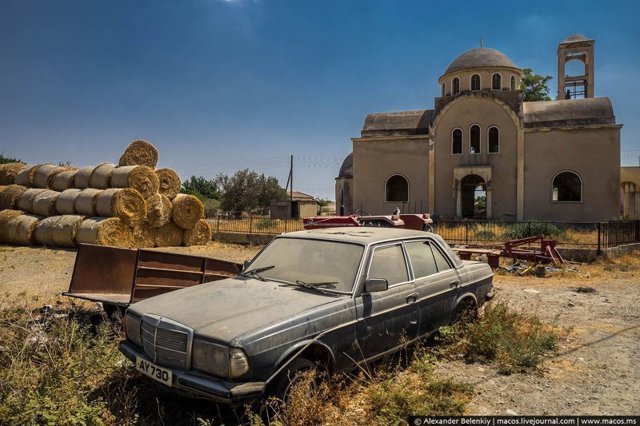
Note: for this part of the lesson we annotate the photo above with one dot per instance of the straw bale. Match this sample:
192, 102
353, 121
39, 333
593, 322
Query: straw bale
19, 230
110, 231
43, 232
141, 178
6, 216
65, 230
169, 235
25, 202
9, 171
125, 203
187, 211
82, 177
44, 204
101, 175
63, 180
143, 235
158, 210
169, 182
140, 153
86, 201
66, 201
25, 176
9, 196
44, 174
200, 235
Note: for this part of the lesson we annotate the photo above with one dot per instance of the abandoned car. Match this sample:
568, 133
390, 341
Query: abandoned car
329, 298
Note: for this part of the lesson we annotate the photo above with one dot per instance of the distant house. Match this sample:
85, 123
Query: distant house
301, 205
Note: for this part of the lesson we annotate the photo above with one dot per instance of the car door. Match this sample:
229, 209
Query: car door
387, 318
437, 283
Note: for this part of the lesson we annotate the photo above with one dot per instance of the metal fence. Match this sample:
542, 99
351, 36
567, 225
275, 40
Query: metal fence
595, 235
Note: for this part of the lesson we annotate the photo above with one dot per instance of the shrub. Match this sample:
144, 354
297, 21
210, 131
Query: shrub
531, 229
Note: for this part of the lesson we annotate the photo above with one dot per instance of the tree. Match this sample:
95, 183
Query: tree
247, 190
534, 86
201, 188
7, 160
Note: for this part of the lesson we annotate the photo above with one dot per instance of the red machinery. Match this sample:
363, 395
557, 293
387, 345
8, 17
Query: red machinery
409, 221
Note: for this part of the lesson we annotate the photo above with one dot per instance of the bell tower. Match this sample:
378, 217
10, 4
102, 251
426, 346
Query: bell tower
576, 47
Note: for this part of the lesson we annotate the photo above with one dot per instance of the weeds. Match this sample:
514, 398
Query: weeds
516, 341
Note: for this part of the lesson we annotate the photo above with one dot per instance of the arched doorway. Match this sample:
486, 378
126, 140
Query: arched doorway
474, 197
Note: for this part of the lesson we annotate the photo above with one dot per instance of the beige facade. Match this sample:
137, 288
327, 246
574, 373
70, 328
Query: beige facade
630, 192
483, 153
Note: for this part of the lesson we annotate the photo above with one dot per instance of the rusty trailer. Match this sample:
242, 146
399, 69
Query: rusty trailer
117, 277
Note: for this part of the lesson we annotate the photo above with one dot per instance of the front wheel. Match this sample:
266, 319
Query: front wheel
291, 376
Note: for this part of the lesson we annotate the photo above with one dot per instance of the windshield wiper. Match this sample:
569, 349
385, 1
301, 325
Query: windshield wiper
312, 286
255, 273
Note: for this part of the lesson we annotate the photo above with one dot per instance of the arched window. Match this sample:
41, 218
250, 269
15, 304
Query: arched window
513, 82
397, 189
456, 141
443, 89
474, 139
455, 86
494, 140
567, 186
475, 82
496, 82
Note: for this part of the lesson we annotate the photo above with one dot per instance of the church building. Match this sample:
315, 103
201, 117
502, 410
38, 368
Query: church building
482, 152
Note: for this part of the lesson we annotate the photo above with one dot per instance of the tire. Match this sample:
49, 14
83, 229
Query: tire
465, 312
292, 374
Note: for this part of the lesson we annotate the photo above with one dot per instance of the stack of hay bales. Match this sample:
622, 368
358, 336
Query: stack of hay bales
128, 205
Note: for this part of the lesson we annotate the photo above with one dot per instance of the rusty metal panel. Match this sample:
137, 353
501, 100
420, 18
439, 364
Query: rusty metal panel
103, 270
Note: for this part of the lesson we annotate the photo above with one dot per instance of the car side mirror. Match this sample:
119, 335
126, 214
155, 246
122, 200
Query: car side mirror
245, 264
373, 285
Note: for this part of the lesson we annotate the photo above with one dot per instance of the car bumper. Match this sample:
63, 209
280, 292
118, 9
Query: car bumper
200, 386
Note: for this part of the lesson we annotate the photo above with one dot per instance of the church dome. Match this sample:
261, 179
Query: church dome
480, 57
346, 170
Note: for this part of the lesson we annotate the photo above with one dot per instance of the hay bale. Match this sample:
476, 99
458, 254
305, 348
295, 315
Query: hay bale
101, 175
66, 201
43, 232
6, 216
169, 182
140, 153
63, 180
25, 202
65, 230
82, 177
158, 210
169, 235
110, 231
44, 174
125, 203
144, 235
187, 211
25, 176
141, 178
86, 201
19, 230
9, 196
44, 204
200, 235
9, 171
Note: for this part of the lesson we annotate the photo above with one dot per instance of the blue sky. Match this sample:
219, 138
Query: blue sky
221, 85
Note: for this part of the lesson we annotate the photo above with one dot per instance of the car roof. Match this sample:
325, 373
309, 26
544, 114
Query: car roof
356, 234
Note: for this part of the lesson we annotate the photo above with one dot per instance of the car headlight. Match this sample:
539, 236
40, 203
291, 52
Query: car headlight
132, 328
218, 359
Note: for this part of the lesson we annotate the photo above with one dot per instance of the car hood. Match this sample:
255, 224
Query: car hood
227, 309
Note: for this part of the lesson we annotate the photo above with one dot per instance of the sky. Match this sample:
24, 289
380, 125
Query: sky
222, 85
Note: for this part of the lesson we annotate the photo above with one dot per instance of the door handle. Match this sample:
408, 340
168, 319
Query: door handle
454, 283
412, 298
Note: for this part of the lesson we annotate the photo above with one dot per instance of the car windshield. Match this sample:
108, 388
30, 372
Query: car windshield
327, 265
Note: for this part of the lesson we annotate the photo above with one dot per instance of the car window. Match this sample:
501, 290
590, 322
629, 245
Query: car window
388, 262
452, 254
441, 261
422, 259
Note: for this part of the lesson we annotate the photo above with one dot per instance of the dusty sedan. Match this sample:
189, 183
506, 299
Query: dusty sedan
331, 298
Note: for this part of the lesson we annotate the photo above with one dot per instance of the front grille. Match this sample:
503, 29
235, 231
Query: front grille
166, 342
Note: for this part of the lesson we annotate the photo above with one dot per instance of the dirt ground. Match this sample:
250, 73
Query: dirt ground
595, 371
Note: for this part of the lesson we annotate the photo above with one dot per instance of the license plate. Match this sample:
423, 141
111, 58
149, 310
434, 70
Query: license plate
160, 374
